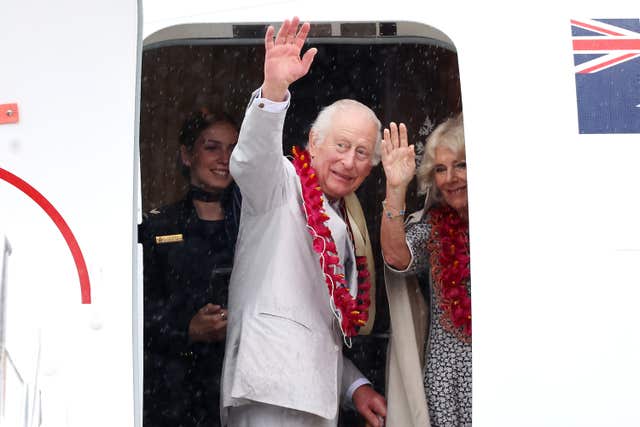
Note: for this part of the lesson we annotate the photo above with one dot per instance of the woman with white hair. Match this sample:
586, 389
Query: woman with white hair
435, 239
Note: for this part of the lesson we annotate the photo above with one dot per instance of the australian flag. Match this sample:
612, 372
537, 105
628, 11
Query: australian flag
606, 54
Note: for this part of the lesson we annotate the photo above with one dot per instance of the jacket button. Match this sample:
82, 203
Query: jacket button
261, 105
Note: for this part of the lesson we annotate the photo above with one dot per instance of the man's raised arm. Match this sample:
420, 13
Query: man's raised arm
282, 62
256, 163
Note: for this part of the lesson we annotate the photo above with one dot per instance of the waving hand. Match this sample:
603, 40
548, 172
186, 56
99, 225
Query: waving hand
398, 157
283, 64
398, 160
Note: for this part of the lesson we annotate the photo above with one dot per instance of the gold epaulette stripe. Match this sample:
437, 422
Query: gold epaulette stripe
169, 238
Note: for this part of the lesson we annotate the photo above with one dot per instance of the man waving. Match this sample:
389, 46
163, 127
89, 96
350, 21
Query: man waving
299, 287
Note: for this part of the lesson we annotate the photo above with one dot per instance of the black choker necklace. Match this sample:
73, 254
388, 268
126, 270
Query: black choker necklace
205, 196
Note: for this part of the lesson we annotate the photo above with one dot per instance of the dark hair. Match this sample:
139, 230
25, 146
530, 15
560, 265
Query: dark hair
197, 122
194, 125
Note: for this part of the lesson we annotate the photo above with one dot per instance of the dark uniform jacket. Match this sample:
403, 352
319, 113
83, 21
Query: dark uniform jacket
187, 264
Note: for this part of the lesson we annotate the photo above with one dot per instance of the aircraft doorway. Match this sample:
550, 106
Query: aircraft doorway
405, 72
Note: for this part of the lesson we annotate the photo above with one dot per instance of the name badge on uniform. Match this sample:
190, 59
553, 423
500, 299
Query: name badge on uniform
169, 238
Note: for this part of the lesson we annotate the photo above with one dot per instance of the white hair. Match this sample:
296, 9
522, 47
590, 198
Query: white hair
324, 121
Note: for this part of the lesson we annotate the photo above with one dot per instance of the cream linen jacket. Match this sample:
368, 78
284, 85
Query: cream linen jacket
283, 346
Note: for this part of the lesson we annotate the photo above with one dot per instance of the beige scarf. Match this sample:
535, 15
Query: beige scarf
363, 248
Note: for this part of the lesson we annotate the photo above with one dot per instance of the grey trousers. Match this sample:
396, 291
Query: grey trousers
262, 415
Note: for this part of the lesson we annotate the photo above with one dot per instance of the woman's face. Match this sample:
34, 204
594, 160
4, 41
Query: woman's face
450, 174
208, 159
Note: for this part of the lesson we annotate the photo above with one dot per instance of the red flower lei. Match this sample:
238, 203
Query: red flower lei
351, 312
448, 246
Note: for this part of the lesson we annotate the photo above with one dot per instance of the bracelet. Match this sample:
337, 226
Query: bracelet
389, 211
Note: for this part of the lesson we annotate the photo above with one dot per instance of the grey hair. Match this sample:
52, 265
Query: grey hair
449, 134
325, 118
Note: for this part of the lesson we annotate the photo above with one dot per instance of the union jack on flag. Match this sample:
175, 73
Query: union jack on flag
606, 55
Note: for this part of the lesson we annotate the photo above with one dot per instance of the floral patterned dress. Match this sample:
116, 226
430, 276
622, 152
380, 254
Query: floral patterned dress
447, 371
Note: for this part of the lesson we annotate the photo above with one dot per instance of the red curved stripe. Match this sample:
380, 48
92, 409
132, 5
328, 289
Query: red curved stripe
85, 286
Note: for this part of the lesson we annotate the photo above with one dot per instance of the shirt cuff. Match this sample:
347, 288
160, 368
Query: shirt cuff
409, 266
353, 387
269, 105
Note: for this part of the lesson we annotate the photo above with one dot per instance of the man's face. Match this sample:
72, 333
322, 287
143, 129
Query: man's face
343, 160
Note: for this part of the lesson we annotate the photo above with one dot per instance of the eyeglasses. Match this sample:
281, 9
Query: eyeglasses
361, 152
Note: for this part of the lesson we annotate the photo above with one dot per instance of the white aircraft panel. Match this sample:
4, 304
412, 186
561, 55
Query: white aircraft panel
71, 68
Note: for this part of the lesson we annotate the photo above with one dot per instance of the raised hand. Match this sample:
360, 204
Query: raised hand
398, 157
282, 63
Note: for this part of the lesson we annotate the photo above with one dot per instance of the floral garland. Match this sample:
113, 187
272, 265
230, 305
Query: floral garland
448, 246
351, 312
